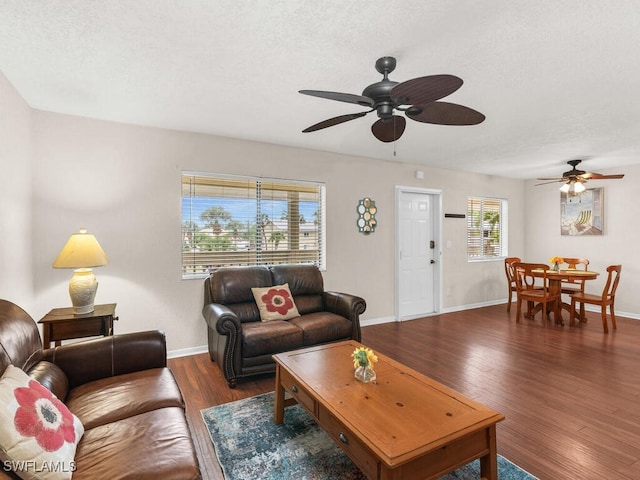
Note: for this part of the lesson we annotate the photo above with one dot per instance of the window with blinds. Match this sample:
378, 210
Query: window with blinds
486, 228
250, 221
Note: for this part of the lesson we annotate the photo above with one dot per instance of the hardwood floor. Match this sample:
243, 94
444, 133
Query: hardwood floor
571, 396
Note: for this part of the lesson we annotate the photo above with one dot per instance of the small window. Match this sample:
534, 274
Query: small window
250, 221
486, 228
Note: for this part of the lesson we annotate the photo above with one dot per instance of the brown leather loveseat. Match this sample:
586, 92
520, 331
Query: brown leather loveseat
243, 345
121, 390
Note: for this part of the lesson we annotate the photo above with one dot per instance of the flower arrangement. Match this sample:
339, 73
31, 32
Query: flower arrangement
363, 357
556, 261
363, 360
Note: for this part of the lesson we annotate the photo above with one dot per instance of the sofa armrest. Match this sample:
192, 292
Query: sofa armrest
348, 306
225, 322
85, 362
222, 319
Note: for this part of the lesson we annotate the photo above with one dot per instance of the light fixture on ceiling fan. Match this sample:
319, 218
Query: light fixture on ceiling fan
573, 186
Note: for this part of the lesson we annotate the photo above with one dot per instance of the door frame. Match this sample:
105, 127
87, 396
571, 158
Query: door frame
437, 235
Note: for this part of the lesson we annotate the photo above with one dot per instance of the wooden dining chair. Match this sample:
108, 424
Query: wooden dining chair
511, 281
608, 297
534, 288
573, 286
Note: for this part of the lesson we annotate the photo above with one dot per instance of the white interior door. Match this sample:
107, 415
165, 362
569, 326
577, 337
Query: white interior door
418, 254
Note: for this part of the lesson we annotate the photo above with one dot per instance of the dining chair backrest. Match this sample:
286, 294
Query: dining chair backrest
574, 285
508, 270
511, 279
572, 263
525, 278
613, 277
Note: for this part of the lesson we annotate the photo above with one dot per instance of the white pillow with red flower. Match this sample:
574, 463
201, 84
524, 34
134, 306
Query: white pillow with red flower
39, 434
275, 303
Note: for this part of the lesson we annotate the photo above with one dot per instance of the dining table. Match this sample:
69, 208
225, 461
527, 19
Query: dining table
556, 277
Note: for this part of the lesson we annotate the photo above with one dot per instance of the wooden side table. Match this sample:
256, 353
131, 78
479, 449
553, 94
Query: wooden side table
62, 324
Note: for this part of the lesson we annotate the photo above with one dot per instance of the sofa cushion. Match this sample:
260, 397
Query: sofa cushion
114, 398
154, 445
260, 338
309, 303
229, 285
302, 279
275, 303
322, 327
36, 427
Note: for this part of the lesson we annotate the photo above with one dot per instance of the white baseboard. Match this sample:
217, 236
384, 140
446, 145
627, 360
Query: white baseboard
471, 306
185, 352
633, 316
376, 321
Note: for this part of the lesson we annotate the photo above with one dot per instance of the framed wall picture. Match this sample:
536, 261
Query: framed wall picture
582, 213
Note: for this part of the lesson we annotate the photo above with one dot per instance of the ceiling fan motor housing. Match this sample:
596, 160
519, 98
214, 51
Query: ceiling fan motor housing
380, 93
574, 172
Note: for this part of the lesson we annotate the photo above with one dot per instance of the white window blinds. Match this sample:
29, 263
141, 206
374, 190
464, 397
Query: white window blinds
250, 221
486, 228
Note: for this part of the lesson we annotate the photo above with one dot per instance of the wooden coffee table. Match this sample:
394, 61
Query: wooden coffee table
403, 426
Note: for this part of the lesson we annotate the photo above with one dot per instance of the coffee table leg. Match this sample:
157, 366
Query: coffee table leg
489, 463
278, 413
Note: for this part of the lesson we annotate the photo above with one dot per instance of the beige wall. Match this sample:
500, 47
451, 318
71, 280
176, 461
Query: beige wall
122, 182
616, 245
15, 197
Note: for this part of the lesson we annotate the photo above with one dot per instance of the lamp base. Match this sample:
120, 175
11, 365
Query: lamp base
82, 290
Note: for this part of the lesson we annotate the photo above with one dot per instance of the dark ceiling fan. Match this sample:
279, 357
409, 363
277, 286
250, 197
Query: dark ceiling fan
574, 179
417, 98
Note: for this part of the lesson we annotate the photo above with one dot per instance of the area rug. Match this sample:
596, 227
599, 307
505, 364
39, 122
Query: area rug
250, 446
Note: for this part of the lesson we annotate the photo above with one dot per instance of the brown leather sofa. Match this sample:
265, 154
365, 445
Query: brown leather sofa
120, 388
243, 345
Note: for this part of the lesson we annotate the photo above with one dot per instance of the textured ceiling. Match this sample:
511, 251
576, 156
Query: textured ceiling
556, 79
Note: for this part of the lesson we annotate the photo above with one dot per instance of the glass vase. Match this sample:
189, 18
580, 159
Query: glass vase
556, 267
365, 374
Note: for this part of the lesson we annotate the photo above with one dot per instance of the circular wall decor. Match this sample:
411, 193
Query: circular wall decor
366, 216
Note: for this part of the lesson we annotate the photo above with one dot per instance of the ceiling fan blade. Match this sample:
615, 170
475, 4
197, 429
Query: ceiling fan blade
550, 181
389, 130
340, 97
444, 113
554, 179
334, 121
598, 176
423, 90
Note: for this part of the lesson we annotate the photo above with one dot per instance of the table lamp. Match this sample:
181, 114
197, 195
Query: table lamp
82, 252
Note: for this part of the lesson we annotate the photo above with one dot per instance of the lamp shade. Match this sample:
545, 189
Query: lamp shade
82, 250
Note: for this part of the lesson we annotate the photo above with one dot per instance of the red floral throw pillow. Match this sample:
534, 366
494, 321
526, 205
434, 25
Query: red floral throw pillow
39, 434
275, 303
